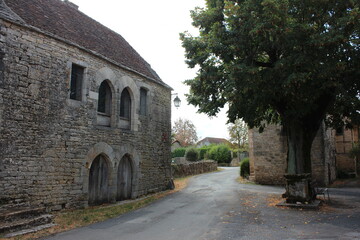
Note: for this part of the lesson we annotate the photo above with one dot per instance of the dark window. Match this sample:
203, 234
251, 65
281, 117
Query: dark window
77, 74
143, 101
104, 101
125, 104
339, 131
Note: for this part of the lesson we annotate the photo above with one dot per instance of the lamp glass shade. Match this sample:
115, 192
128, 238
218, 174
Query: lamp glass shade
177, 101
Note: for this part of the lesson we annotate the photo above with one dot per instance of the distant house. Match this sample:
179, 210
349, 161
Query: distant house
209, 140
175, 144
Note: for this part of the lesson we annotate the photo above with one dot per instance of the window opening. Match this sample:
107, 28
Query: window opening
76, 82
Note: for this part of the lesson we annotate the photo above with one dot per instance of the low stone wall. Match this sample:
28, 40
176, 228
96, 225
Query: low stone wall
193, 168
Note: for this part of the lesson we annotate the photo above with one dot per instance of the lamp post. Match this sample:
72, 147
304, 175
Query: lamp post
177, 100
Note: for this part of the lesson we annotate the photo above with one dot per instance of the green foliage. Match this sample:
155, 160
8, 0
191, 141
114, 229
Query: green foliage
278, 61
220, 153
179, 152
238, 132
192, 154
203, 152
245, 168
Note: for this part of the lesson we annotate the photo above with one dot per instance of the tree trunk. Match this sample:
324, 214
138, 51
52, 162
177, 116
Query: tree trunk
299, 149
298, 177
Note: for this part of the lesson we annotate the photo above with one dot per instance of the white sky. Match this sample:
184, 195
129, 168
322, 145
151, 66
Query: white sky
152, 28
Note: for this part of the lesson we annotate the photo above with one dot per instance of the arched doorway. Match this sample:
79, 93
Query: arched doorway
125, 174
99, 181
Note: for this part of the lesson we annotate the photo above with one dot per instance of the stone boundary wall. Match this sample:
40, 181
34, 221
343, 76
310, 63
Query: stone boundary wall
194, 168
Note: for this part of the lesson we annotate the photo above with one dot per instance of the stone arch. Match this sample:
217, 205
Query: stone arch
106, 104
107, 75
133, 157
109, 156
128, 83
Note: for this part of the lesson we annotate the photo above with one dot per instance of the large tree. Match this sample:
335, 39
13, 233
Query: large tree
185, 132
291, 62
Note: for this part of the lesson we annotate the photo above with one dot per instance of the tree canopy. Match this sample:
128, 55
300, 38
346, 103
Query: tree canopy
185, 132
278, 61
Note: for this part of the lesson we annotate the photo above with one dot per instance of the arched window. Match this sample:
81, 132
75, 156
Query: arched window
105, 96
125, 105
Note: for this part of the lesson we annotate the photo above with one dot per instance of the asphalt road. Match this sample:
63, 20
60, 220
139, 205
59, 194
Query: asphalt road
215, 206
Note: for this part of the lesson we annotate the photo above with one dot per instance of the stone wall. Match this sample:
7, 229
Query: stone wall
194, 168
344, 143
268, 151
48, 141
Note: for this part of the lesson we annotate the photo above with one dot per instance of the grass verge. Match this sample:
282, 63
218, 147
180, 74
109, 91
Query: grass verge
70, 219
244, 181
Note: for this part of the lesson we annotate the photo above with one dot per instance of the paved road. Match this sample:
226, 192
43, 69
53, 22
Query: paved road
215, 206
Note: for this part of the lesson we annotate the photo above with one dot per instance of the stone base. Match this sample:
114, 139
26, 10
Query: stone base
298, 188
311, 205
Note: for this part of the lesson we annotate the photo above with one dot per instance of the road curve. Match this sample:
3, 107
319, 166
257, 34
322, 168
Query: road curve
216, 207
188, 214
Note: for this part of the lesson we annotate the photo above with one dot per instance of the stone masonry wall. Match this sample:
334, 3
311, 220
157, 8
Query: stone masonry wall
344, 143
48, 141
268, 152
194, 168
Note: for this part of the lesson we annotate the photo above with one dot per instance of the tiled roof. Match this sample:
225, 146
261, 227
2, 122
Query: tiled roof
63, 20
214, 140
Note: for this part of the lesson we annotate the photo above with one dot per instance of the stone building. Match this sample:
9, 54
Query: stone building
330, 155
210, 140
268, 151
83, 117
344, 141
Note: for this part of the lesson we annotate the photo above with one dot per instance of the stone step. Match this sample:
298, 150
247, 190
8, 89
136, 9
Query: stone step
30, 230
13, 214
25, 223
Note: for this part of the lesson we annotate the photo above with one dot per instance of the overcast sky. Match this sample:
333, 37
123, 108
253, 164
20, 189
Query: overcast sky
152, 28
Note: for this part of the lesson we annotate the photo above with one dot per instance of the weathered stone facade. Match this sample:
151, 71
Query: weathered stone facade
345, 139
48, 141
268, 151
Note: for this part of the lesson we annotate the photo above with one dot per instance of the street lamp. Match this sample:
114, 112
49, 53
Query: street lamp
177, 100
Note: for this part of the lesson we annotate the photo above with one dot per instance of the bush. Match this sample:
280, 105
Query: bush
245, 168
220, 153
192, 154
203, 152
179, 152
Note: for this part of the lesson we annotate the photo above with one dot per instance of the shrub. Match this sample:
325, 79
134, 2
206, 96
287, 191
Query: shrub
192, 154
245, 168
179, 152
220, 153
203, 152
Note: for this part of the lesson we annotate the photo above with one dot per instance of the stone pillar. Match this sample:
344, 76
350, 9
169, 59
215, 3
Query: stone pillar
298, 188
